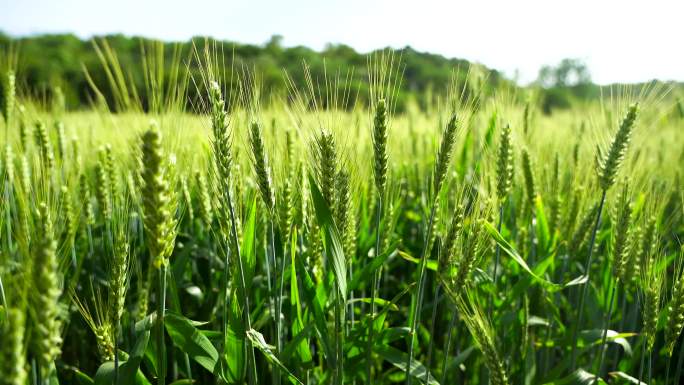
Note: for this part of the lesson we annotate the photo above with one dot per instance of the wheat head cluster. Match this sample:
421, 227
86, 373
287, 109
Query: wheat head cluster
308, 238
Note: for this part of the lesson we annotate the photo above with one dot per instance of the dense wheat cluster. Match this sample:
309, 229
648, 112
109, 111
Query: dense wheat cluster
269, 239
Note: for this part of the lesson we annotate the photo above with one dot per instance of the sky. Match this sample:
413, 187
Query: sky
621, 41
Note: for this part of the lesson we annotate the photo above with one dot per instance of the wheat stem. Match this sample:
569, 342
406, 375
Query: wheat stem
116, 354
680, 363
447, 345
161, 311
604, 334
650, 366
497, 260
374, 294
415, 310
248, 319
428, 362
583, 295
276, 291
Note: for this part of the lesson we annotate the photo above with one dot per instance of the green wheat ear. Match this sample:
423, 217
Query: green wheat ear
449, 246
380, 145
653, 283
157, 202
187, 199
84, 190
24, 173
343, 212
481, 330
504, 164
219, 124
621, 242
47, 156
327, 165
70, 219
205, 207
675, 315
444, 154
528, 174
76, 155
473, 247
24, 135
61, 140
648, 240
526, 117
103, 190
260, 161
46, 337
8, 97
608, 164
111, 170
582, 231
118, 279
98, 319
9, 164
12, 356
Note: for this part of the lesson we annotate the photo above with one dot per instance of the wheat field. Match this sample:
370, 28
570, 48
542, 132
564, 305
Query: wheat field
264, 238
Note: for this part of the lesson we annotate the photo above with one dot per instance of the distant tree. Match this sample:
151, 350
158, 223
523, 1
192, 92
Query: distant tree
275, 43
568, 73
570, 79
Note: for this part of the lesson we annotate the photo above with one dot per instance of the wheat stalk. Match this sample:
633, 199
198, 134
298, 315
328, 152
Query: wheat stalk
160, 227
222, 153
46, 339
442, 161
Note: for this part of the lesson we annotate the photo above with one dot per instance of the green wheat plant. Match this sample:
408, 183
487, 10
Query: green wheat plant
340, 231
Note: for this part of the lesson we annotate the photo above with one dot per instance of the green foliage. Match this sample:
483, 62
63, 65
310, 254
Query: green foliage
46, 60
318, 247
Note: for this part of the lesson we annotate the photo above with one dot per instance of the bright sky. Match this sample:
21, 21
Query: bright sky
621, 41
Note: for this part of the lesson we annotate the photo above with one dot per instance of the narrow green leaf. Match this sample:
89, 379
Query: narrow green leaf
316, 301
259, 343
534, 320
82, 378
431, 263
578, 377
105, 376
191, 341
577, 281
294, 287
389, 335
626, 377
542, 225
379, 301
248, 252
366, 273
399, 358
594, 337
332, 239
459, 359
508, 249
300, 341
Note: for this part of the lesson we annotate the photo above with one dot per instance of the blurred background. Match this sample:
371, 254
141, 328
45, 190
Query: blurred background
563, 49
